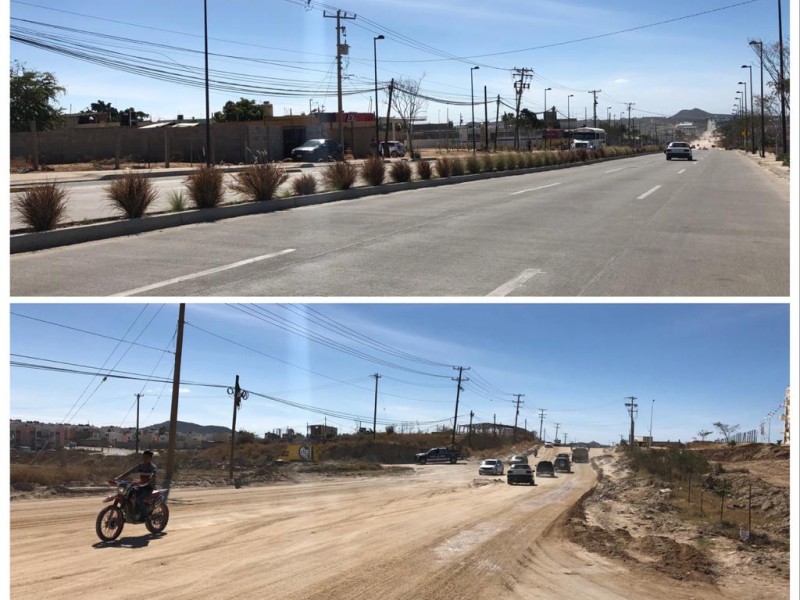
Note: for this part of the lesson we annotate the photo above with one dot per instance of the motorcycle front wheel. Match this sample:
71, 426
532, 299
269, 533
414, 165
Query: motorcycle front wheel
109, 523
156, 521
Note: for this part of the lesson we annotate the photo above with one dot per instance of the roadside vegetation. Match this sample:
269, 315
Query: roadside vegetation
43, 206
132, 194
205, 187
259, 181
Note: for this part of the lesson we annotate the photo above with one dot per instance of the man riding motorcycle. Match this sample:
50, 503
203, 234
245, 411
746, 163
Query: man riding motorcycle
147, 481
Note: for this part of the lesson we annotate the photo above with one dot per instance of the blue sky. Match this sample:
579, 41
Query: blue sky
658, 55
700, 363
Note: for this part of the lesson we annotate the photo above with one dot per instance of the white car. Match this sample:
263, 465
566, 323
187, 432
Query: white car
518, 459
679, 150
491, 466
394, 149
520, 473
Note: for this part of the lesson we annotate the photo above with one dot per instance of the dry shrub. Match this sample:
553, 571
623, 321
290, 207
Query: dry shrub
401, 171
424, 169
473, 165
373, 170
456, 166
304, 184
488, 162
132, 194
512, 160
43, 206
340, 175
500, 161
444, 167
259, 181
205, 187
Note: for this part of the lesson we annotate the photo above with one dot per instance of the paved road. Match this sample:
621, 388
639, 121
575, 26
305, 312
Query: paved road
644, 226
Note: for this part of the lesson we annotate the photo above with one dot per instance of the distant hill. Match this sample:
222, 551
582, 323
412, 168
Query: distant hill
694, 114
184, 427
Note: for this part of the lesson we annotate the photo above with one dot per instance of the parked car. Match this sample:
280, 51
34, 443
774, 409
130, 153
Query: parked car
317, 150
519, 459
491, 466
679, 150
520, 473
545, 467
393, 148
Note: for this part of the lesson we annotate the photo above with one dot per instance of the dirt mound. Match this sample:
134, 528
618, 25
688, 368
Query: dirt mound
742, 453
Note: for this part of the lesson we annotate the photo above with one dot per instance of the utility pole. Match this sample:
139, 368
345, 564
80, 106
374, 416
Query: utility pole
784, 148
375, 411
176, 385
339, 48
541, 422
516, 415
629, 105
389, 111
469, 438
632, 406
238, 395
525, 75
496, 123
137, 422
458, 393
557, 426
652, 406
594, 105
485, 120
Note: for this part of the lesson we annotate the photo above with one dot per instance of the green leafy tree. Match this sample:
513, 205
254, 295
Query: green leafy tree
528, 118
242, 110
103, 107
31, 98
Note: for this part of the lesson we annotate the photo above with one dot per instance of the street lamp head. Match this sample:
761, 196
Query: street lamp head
473, 68
742, 83
746, 67
380, 37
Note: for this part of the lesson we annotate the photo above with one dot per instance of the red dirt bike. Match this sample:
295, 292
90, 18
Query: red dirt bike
112, 518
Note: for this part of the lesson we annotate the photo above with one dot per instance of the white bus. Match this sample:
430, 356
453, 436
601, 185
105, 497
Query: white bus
590, 138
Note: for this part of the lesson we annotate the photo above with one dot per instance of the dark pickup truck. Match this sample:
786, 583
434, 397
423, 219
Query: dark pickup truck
447, 454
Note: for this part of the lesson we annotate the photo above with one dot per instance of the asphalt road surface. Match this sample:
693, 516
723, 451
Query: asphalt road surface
441, 532
643, 226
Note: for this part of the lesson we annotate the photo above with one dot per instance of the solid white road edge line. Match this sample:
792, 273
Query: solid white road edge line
681, 171
648, 192
612, 170
510, 286
541, 187
167, 282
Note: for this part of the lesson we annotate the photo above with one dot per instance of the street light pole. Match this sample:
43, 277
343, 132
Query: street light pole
375, 60
752, 125
744, 83
761, 60
208, 103
569, 114
742, 108
472, 103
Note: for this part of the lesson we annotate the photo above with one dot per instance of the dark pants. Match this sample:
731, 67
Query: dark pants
140, 493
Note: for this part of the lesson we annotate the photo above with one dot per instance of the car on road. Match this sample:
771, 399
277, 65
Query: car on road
562, 464
545, 467
519, 459
491, 466
548, 444
678, 150
318, 150
520, 473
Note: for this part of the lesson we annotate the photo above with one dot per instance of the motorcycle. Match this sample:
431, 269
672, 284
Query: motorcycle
112, 519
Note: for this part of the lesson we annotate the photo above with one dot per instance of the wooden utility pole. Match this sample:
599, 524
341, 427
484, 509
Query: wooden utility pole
137, 422
238, 395
339, 47
516, 416
389, 110
458, 393
541, 422
375, 410
485, 120
525, 75
496, 122
176, 385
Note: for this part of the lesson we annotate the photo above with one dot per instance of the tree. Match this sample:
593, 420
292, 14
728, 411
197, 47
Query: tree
242, 110
245, 437
103, 107
31, 98
726, 430
127, 117
408, 104
528, 119
703, 434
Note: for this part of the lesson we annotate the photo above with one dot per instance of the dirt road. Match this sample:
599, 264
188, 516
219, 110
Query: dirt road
439, 532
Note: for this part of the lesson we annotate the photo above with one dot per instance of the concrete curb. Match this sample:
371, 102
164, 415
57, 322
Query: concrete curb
29, 242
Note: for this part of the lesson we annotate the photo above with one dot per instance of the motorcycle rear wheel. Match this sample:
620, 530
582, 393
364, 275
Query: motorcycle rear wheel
156, 521
109, 523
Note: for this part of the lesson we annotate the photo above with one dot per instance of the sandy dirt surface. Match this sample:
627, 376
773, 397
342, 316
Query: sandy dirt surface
434, 532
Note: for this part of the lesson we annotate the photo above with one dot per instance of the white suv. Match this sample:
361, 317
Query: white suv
679, 150
394, 149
